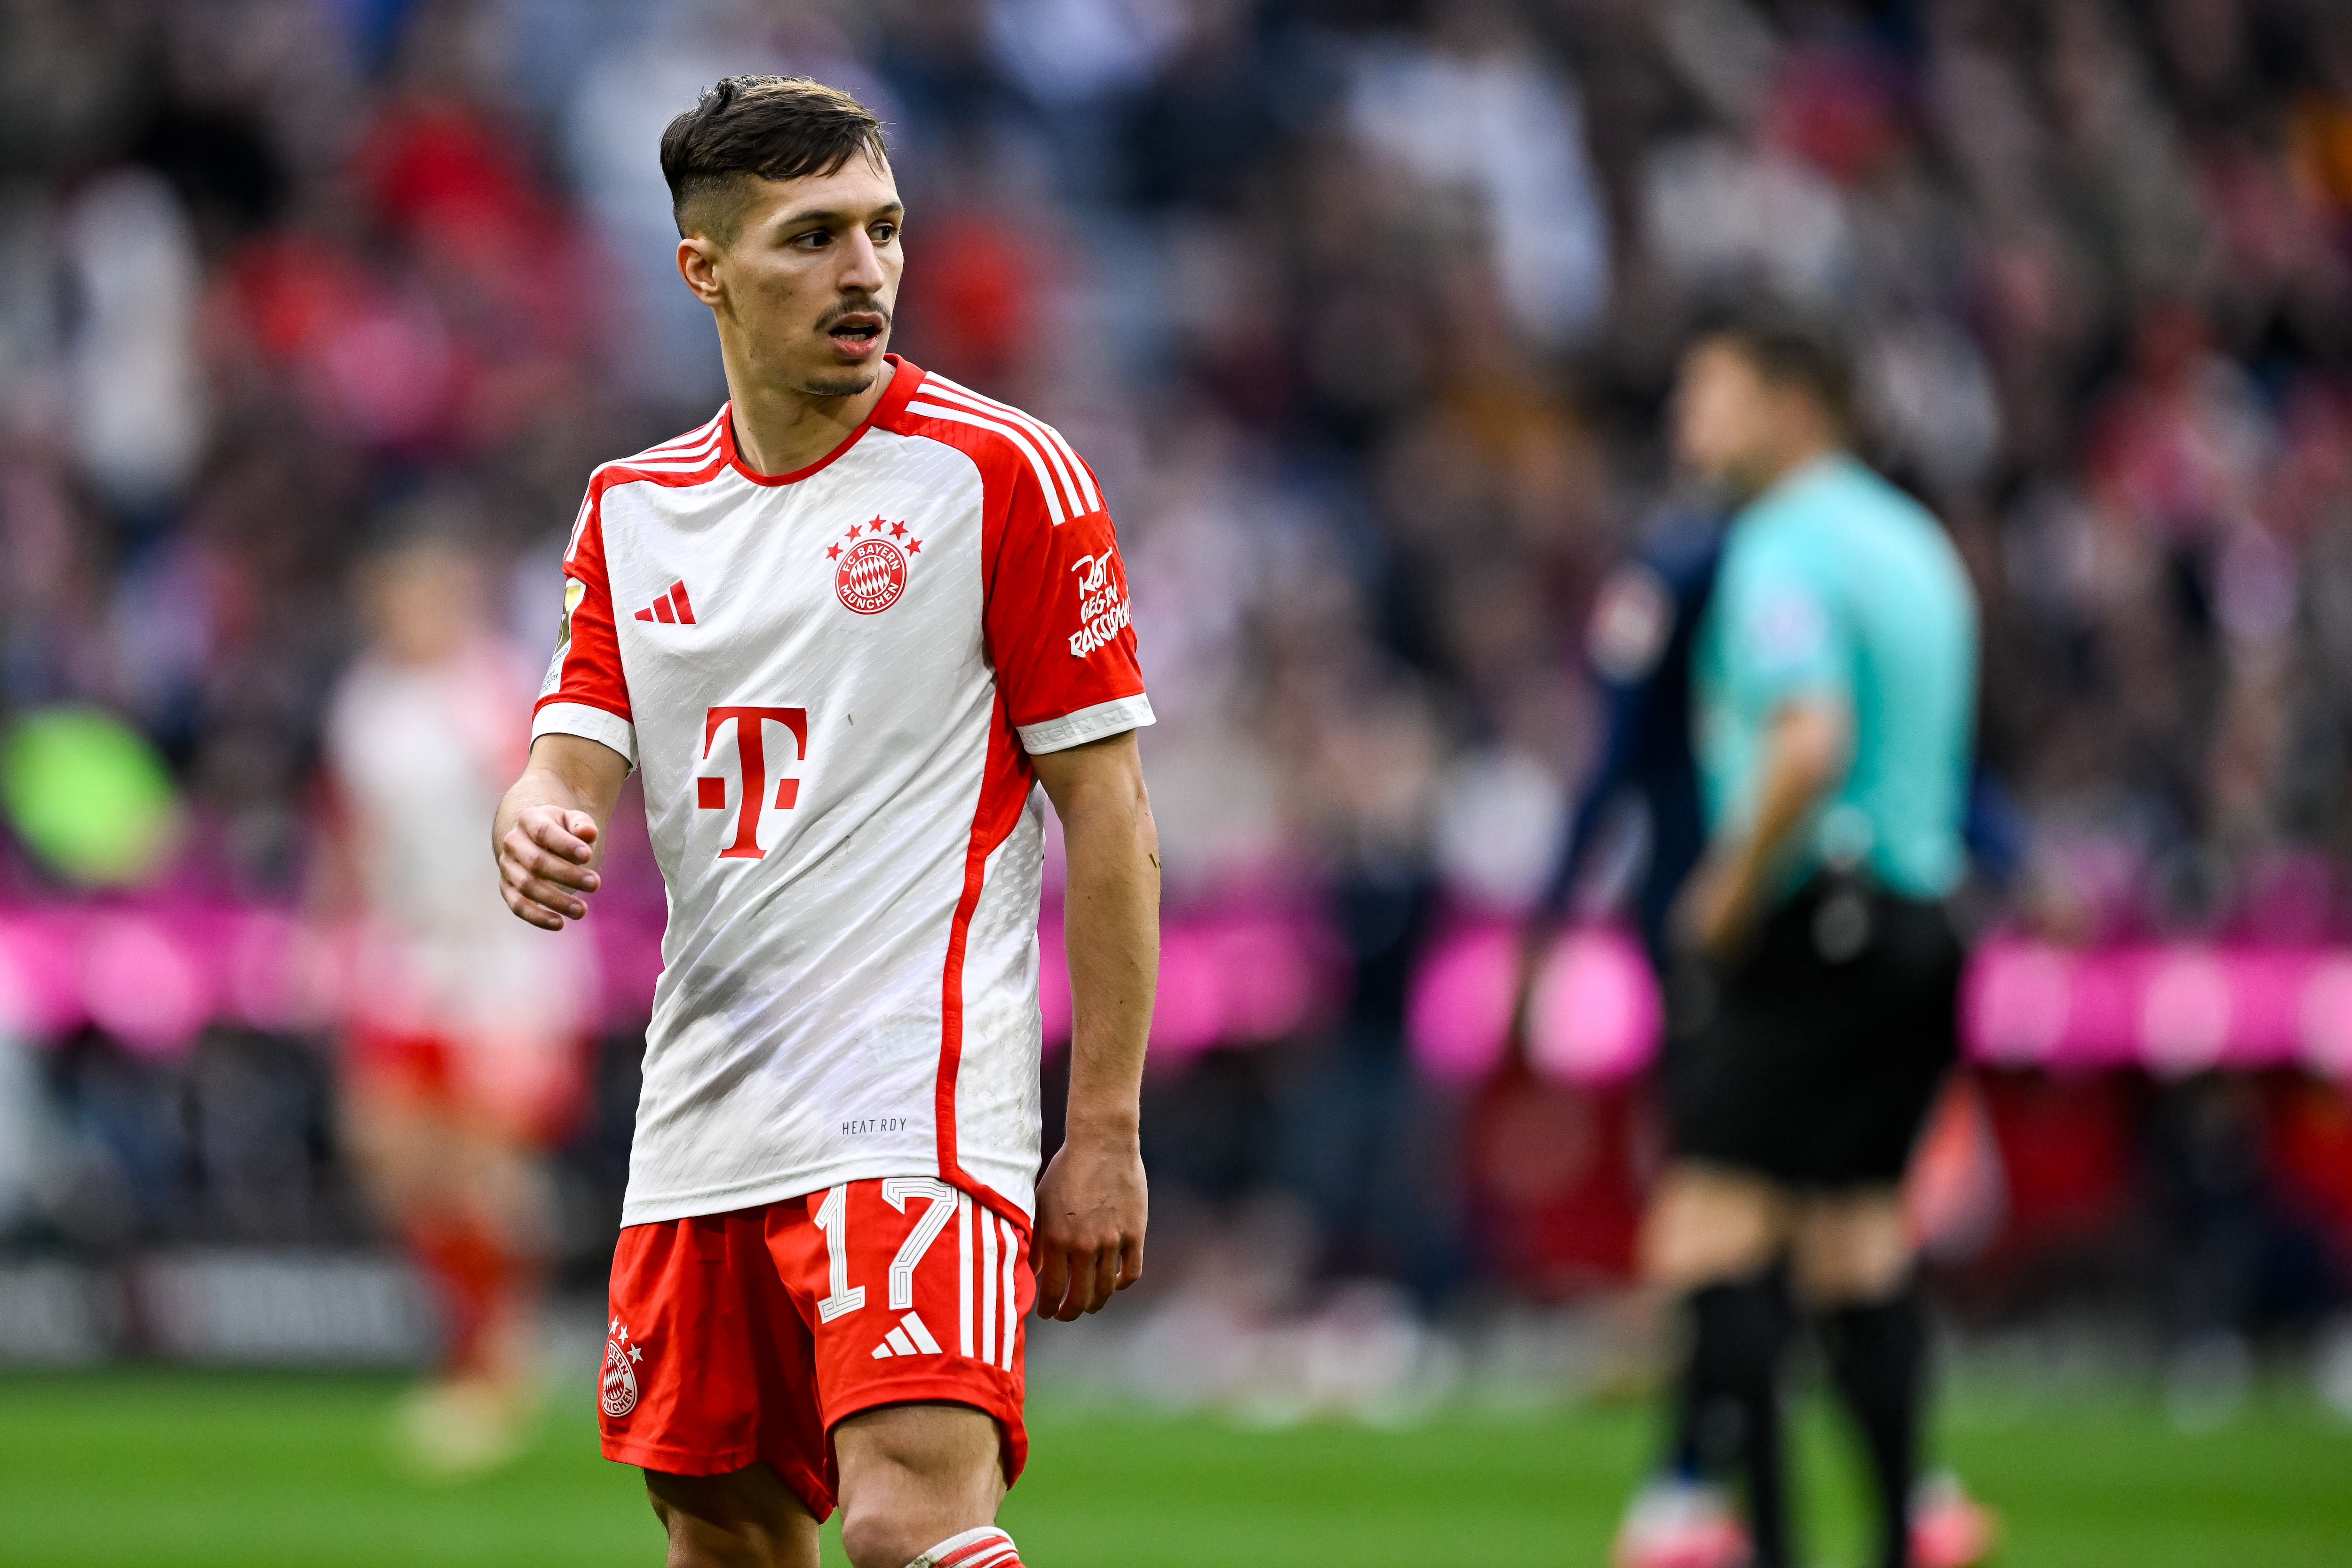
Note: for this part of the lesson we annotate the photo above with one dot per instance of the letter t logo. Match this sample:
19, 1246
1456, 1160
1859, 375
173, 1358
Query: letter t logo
750, 753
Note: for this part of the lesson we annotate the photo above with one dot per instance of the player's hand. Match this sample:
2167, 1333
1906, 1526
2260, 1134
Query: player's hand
1091, 1210
1714, 910
543, 871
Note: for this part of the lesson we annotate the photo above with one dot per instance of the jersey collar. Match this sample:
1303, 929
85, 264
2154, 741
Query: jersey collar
904, 378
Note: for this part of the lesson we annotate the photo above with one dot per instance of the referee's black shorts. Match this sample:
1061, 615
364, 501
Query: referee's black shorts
1814, 1059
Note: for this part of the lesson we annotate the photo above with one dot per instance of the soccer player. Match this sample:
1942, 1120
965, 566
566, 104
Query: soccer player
844, 630
463, 1049
1644, 624
1812, 1012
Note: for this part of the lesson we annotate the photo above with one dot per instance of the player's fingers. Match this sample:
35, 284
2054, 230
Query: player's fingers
523, 909
1131, 1260
582, 826
1053, 1280
1074, 1302
549, 896
534, 861
555, 835
1105, 1282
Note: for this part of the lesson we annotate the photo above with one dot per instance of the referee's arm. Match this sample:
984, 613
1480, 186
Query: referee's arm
1807, 750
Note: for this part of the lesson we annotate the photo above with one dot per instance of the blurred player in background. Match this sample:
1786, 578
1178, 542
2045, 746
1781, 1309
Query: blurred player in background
465, 1036
1645, 625
1812, 1006
845, 630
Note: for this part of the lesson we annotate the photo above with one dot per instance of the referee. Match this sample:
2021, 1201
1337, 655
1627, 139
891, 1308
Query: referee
1812, 993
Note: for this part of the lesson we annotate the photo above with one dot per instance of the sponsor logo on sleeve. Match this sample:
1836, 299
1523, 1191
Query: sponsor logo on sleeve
1103, 608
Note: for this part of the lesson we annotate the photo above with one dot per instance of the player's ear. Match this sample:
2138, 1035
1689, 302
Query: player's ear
697, 263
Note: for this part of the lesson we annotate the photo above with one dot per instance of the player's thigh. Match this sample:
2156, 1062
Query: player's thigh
744, 1518
402, 1142
1851, 1246
914, 1475
1709, 1222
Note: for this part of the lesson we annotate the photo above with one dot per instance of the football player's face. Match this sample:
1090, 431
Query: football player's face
1723, 413
807, 286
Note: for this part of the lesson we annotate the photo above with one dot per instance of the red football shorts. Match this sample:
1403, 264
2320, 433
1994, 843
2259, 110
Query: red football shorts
747, 1336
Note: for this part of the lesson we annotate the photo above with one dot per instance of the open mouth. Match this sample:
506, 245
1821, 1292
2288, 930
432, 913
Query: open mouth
858, 332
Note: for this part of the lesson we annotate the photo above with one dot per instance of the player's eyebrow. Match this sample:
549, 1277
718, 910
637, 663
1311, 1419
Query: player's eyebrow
835, 216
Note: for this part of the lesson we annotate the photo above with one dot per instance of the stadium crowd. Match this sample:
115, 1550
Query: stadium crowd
1364, 313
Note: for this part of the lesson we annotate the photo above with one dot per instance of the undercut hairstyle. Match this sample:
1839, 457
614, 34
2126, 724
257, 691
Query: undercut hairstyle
759, 127
1790, 347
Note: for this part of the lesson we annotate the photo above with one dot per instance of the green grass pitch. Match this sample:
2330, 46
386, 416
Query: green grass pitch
164, 1469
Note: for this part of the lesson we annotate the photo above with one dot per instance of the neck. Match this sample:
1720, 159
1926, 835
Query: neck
1785, 461
783, 429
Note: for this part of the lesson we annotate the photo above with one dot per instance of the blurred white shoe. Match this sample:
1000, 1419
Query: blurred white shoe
1677, 1523
1949, 1529
462, 1428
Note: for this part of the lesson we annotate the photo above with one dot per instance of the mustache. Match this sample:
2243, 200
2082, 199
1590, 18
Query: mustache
869, 307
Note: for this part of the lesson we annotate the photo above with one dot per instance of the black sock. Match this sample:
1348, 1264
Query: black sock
1730, 1414
1878, 1357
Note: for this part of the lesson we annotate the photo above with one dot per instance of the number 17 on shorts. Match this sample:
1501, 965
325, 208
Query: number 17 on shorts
747, 1335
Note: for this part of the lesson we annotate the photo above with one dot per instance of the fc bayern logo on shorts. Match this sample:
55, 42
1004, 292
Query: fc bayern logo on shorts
621, 1358
871, 576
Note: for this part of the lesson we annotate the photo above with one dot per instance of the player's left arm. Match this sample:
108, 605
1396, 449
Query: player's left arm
1092, 1204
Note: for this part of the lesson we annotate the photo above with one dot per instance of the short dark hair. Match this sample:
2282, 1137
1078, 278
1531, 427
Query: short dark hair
766, 127
1791, 346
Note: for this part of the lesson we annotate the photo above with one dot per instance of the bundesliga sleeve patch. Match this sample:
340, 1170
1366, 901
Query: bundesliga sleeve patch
574, 590
1787, 630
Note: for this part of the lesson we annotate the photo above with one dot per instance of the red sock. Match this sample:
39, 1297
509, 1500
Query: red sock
474, 1277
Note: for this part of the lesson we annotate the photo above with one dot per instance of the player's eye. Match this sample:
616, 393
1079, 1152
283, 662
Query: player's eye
884, 233
814, 240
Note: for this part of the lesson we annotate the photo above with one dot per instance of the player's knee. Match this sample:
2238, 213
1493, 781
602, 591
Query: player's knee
1705, 1228
877, 1536
1853, 1251
910, 1485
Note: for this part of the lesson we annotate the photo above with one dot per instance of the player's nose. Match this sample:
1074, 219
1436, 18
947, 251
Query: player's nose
862, 271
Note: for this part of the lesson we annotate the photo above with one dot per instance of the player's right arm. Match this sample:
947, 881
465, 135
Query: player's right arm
551, 827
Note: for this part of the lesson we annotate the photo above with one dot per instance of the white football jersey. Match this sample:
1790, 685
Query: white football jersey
418, 756
831, 682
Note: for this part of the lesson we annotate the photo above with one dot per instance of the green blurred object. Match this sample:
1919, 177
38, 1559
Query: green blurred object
89, 795
154, 1468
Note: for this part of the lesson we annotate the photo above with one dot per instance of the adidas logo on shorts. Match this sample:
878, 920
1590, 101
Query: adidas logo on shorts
909, 1338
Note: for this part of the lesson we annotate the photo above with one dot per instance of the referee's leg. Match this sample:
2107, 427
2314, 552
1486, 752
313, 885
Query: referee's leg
1713, 1239
1853, 1268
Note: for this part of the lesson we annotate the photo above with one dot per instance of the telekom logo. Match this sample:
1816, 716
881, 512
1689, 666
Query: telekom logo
751, 758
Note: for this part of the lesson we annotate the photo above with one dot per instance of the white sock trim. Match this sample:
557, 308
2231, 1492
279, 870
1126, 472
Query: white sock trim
981, 1548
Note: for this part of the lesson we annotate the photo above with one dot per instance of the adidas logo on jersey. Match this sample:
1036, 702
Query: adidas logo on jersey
672, 608
909, 1338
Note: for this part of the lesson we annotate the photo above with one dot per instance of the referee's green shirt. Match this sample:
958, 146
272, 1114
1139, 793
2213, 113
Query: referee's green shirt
1834, 584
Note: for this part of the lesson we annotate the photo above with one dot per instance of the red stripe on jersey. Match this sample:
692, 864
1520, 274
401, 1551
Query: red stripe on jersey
678, 596
592, 673
647, 614
662, 613
1055, 615
1005, 781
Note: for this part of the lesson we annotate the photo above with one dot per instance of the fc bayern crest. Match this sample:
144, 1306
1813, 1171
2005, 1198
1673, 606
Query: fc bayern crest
620, 1391
871, 576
